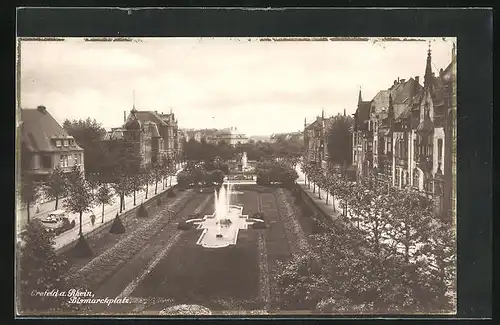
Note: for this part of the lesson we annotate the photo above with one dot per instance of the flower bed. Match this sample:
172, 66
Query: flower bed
187, 310
101, 267
265, 290
297, 238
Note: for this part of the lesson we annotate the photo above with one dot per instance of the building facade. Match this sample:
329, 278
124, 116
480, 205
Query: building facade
406, 139
230, 136
362, 154
153, 134
315, 140
45, 145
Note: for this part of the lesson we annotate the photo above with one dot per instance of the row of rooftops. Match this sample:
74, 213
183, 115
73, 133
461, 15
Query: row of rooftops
405, 95
146, 121
40, 132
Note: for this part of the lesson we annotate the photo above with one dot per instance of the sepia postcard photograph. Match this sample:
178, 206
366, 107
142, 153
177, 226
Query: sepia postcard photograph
206, 176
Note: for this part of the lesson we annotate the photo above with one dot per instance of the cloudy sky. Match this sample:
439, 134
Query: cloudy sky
258, 87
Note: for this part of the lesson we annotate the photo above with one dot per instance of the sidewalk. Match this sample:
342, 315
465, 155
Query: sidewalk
46, 206
321, 203
353, 219
110, 212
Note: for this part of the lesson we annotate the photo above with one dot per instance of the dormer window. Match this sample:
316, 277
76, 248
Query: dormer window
58, 143
66, 143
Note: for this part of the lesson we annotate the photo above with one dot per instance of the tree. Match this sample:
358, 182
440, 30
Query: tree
40, 269
300, 281
104, 196
125, 161
88, 134
55, 185
184, 179
168, 168
120, 187
79, 198
136, 182
272, 171
148, 178
156, 174
29, 190
216, 176
339, 140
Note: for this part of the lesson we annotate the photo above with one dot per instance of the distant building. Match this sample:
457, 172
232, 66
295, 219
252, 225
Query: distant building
276, 137
45, 145
230, 136
199, 135
315, 140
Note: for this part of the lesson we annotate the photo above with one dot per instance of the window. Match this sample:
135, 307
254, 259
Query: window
415, 178
58, 143
46, 161
440, 150
66, 143
63, 161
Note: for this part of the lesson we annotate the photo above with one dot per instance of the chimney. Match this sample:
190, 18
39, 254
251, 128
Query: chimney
417, 79
403, 81
395, 82
42, 109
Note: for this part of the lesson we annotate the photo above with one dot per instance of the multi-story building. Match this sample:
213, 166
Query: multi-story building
315, 140
45, 145
362, 154
407, 135
154, 134
385, 106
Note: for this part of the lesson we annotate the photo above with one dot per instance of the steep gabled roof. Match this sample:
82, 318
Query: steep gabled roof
362, 113
150, 116
39, 128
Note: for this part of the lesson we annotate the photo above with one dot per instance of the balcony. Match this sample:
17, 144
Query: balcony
424, 162
402, 161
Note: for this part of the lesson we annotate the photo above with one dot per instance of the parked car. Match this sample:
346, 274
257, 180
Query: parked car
58, 221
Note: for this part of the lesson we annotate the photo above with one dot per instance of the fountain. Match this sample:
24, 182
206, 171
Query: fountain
222, 227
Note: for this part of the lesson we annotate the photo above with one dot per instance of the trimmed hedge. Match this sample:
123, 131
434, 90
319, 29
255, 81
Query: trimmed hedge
183, 225
142, 212
82, 248
117, 227
259, 215
171, 193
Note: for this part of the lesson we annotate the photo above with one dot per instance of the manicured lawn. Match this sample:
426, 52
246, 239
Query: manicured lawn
193, 274
211, 277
